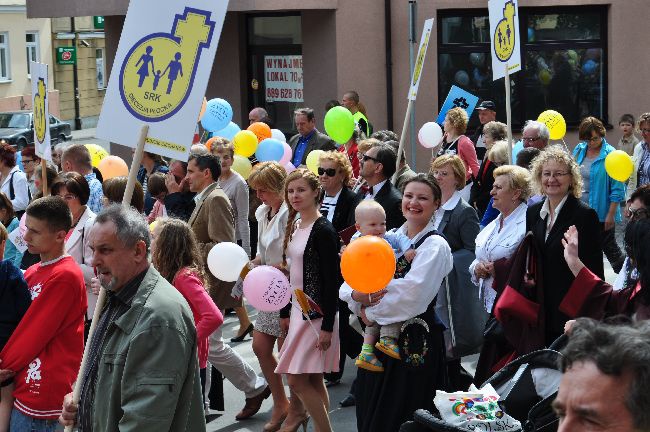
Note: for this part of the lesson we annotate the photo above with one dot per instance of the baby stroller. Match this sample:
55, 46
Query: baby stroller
527, 386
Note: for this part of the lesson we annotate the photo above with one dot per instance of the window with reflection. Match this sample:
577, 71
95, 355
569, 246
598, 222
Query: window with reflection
564, 63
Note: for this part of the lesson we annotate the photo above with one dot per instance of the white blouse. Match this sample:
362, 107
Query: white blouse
270, 233
411, 295
493, 244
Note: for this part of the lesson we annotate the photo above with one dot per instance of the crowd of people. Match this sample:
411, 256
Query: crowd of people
496, 252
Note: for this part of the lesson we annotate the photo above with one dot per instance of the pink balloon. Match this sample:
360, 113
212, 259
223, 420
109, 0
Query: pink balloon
21, 224
289, 167
286, 157
267, 289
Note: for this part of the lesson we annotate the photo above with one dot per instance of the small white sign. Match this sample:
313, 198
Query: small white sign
160, 73
16, 237
40, 109
504, 31
419, 62
283, 78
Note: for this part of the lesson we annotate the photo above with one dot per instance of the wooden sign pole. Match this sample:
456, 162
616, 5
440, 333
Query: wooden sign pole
508, 115
400, 150
101, 299
44, 177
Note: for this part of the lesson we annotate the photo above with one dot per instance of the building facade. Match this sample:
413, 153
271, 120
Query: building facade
580, 57
82, 40
22, 40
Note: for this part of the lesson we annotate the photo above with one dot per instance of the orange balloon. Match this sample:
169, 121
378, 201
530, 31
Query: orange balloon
368, 264
113, 166
203, 106
209, 143
261, 130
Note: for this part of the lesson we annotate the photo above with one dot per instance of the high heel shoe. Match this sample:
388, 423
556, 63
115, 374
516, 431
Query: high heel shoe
294, 428
275, 426
241, 337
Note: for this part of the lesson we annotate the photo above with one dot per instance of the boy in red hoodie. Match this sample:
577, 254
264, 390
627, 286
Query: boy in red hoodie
45, 350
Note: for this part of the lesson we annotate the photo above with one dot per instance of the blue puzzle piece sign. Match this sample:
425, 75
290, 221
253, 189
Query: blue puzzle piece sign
457, 97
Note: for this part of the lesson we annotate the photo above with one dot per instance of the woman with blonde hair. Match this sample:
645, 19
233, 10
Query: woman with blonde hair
267, 179
556, 176
235, 187
175, 254
498, 241
454, 142
458, 222
311, 348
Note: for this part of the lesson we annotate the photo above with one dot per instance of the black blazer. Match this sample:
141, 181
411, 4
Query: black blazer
391, 200
344, 210
321, 271
482, 186
318, 141
557, 277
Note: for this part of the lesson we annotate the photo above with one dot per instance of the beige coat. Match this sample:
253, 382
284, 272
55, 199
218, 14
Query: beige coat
212, 222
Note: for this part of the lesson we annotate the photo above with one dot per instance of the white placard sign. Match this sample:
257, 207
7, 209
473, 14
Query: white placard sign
16, 237
40, 109
504, 31
419, 62
283, 78
160, 73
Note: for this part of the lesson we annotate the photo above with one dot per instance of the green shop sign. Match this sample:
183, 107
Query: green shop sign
66, 55
98, 22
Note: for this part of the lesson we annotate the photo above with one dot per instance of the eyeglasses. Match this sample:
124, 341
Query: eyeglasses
26, 161
331, 172
528, 139
547, 174
68, 197
365, 158
594, 139
437, 173
645, 130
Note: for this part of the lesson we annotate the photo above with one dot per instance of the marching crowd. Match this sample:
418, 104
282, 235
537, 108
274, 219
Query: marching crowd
496, 253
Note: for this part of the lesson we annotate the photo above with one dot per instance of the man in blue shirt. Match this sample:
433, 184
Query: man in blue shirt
308, 137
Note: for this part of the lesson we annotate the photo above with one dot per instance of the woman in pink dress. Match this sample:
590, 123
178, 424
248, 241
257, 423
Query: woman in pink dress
311, 348
176, 256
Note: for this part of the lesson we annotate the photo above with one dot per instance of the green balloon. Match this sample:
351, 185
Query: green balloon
339, 124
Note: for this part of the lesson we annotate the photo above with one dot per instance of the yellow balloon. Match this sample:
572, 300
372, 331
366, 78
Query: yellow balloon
312, 161
619, 165
245, 143
152, 226
242, 165
97, 153
555, 123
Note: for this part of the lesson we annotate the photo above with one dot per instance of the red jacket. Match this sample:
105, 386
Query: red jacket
45, 349
207, 316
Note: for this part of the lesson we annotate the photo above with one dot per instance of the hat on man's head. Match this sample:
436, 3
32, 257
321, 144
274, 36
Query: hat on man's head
487, 105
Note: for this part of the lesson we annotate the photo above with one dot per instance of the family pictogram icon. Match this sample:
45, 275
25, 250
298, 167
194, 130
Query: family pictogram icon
157, 74
504, 36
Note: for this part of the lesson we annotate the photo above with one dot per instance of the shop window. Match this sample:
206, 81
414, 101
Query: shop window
564, 63
5, 74
101, 70
31, 46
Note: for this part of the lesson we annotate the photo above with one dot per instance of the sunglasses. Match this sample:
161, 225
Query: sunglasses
331, 172
366, 158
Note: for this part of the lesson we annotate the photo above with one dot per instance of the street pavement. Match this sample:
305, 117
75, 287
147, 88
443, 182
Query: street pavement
343, 419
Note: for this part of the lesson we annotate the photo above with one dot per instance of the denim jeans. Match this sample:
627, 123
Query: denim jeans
22, 423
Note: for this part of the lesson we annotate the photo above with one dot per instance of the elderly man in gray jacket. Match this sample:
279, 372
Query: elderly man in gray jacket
142, 372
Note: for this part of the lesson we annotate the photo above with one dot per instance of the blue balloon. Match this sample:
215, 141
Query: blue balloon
269, 149
228, 132
218, 114
589, 67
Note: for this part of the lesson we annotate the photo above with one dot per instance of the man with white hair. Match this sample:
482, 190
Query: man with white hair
257, 114
535, 134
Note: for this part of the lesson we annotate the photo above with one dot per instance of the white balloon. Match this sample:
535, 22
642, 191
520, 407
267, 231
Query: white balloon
278, 135
430, 135
226, 261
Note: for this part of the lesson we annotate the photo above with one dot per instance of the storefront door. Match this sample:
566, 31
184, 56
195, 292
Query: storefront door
275, 67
